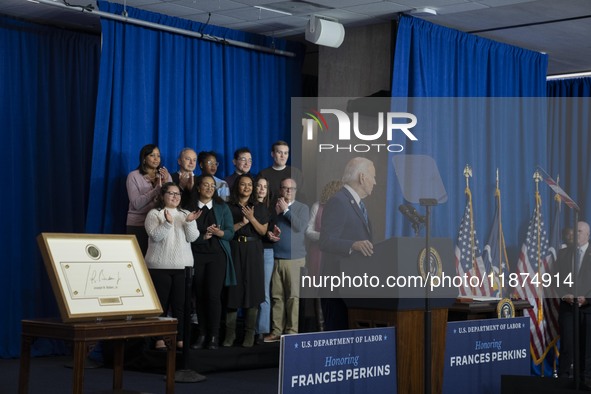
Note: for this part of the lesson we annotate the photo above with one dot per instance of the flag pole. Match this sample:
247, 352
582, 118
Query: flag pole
500, 232
468, 175
537, 178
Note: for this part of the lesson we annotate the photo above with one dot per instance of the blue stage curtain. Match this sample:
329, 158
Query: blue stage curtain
569, 140
177, 91
47, 104
435, 61
569, 122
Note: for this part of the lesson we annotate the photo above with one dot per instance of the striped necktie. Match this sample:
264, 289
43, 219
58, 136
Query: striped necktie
363, 211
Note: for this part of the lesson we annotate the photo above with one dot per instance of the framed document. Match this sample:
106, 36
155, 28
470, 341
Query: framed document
98, 276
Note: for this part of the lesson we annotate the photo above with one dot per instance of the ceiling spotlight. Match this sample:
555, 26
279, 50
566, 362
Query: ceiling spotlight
323, 31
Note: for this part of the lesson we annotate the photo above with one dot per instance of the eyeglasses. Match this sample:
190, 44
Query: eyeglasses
173, 194
288, 189
212, 163
244, 160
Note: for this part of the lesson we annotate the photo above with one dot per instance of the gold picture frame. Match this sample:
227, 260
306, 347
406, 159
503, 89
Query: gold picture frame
98, 276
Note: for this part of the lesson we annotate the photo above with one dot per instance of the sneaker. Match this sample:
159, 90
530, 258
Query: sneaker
272, 338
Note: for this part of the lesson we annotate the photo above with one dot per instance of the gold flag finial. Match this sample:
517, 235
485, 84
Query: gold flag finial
537, 178
467, 175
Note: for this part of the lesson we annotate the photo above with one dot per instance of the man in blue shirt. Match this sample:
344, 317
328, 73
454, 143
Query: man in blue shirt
290, 256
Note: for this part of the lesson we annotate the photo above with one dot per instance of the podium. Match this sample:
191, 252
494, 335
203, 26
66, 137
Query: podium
406, 309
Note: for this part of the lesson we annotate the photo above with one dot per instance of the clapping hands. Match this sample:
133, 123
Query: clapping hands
192, 216
281, 205
274, 235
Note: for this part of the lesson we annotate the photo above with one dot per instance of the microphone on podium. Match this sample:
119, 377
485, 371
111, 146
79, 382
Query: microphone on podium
413, 216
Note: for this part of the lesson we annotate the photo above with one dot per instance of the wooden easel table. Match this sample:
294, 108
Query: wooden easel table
84, 333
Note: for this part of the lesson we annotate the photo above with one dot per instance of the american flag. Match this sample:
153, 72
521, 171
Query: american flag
557, 189
495, 253
532, 262
468, 256
551, 299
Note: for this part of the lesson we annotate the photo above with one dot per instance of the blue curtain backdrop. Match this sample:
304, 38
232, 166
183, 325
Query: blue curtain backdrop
177, 91
569, 124
435, 61
47, 102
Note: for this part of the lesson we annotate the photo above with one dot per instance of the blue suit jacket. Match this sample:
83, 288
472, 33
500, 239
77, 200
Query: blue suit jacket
583, 279
342, 225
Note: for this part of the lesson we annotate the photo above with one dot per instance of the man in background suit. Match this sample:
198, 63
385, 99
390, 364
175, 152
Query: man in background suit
346, 230
581, 294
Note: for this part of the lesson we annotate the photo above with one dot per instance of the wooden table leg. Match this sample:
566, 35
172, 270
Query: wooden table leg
78, 369
118, 351
25, 364
170, 365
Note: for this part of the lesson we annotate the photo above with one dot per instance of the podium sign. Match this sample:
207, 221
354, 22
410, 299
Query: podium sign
351, 361
479, 352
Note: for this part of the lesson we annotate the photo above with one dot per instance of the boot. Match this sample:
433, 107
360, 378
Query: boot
199, 342
249, 326
213, 343
230, 329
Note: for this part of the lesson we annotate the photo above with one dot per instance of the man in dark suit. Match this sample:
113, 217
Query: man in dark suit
580, 293
346, 230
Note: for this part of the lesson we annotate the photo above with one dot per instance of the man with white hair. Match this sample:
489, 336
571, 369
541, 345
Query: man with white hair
346, 229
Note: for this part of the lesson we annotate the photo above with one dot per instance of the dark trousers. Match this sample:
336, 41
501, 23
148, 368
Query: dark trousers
170, 287
567, 341
210, 273
336, 315
141, 235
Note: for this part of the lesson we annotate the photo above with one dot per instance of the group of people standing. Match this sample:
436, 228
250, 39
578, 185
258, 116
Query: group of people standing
238, 233
249, 238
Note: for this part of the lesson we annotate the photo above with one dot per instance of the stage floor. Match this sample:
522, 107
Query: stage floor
140, 356
50, 375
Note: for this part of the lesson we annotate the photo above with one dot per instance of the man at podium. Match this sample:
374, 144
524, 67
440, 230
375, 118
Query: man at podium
346, 229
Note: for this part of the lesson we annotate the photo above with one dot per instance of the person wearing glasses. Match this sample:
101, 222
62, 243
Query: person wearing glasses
250, 224
289, 252
170, 230
280, 170
209, 164
213, 260
242, 165
143, 188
